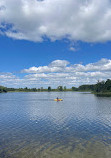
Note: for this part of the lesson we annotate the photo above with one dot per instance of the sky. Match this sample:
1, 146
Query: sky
51, 43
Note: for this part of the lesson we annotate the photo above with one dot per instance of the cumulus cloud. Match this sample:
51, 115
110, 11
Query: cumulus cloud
61, 72
63, 66
54, 66
88, 20
7, 76
59, 63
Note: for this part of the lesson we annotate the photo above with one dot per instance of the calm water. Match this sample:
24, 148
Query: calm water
32, 125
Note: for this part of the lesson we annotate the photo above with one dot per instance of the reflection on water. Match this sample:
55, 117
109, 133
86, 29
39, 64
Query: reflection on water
32, 125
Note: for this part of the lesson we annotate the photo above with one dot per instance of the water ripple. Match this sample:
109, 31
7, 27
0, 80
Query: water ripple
32, 125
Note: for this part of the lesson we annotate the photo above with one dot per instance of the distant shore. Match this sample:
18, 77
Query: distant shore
100, 89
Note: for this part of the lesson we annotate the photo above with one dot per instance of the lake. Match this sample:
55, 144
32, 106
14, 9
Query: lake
32, 125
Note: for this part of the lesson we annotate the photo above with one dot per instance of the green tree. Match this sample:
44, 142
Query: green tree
25, 88
49, 89
65, 88
108, 85
34, 89
3, 89
86, 87
99, 87
60, 88
74, 89
38, 89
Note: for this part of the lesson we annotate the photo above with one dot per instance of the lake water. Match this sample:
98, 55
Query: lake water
32, 125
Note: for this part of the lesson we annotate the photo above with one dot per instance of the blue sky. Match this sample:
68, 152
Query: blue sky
20, 54
40, 48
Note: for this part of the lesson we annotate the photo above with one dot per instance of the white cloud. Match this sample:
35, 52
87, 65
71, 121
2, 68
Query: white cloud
63, 66
59, 63
7, 76
71, 75
54, 66
72, 49
88, 20
59, 72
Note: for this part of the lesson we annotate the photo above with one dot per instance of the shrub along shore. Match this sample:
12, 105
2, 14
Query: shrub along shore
102, 88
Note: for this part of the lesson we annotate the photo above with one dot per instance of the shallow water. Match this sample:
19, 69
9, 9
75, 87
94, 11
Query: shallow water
32, 125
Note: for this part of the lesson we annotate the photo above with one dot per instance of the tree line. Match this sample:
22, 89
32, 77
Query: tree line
3, 89
99, 87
